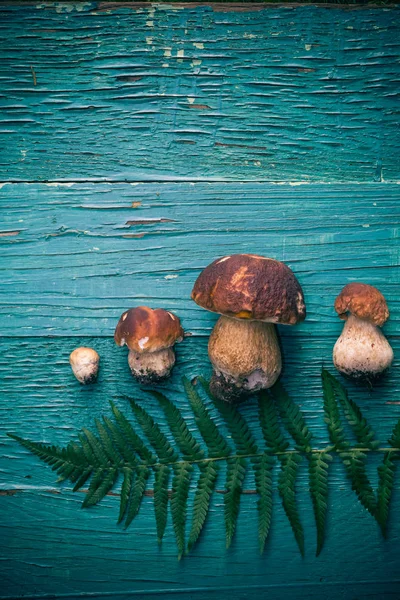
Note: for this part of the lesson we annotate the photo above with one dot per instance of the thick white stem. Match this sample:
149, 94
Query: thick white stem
362, 351
151, 367
245, 356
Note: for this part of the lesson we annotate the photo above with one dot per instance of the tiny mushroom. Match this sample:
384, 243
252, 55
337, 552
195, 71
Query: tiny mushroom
362, 351
252, 293
84, 364
150, 335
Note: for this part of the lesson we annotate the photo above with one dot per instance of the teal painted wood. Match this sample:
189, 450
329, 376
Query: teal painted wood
50, 546
146, 92
79, 255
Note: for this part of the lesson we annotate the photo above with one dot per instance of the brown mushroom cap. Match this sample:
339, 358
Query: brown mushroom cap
363, 301
247, 286
146, 330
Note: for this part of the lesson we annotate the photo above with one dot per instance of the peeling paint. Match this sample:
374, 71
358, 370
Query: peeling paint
167, 52
199, 45
190, 99
180, 53
171, 277
307, 47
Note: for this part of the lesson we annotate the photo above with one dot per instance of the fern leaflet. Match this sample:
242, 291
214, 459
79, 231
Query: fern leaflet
270, 424
138, 488
318, 477
234, 481
180, 492
292, 418
161, 478
286, 487
263, 466
205, 488
386, 473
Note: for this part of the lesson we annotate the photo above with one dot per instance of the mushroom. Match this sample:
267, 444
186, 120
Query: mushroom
150, 335
362, 351
251, 293
85, 364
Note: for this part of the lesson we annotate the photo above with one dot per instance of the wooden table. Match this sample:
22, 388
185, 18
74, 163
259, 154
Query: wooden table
138, 143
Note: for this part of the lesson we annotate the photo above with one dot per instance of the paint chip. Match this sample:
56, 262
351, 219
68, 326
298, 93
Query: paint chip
149, 40
198, 45
307, 47
180, 53
171, 277
167, 52
191, 99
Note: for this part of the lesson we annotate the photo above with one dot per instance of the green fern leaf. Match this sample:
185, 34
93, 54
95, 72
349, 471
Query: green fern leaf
134, 440
187, 444
97, 448
216, 444
157, 439
236, 471
332, 415
287, 490
82, 479
161, 478
121, 443
138, 488
386, 473
354, 463
126, 489
107, 481
263, 466
292, 418
318, 476
270, 424
238, 427
362, 430
107, 443
395, 437
205, 488
95, 482
180, 492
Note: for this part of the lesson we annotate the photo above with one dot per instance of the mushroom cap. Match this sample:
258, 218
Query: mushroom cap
363, 301
247, 286
146, 330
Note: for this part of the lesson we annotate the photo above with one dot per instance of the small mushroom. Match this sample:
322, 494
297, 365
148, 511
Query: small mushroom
251, 293
150, 336
85, 364
362, 351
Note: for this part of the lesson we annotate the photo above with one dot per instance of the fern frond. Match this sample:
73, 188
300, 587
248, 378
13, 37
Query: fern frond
236, 471
237, 425
287, 490
332, 415
161, 479
157, 439
263, 466
126, 489
205, 488
292, 418
107, 481
215, 442
180, 492
138, 488
95, 482
270, 424
354, 463
362, 430
82, 479
187, 444
386, 472
131, 436
318, 477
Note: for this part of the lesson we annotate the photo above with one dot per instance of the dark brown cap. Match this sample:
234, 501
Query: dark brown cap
146, 330
363, 301
247, 286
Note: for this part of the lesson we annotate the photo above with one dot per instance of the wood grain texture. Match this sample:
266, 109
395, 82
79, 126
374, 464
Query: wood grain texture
87, 252
151, 92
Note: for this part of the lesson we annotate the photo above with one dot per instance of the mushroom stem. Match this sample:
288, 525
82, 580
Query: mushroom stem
245, 355
362, 351
151, 367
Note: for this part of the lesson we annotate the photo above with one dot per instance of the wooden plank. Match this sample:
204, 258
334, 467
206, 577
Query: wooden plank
151, 92
51, 547
86, 252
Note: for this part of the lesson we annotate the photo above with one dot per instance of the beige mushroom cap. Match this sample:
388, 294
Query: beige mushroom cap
363, 301
248, 286
143, 329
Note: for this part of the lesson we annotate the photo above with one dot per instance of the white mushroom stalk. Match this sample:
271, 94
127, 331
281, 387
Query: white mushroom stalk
362, 351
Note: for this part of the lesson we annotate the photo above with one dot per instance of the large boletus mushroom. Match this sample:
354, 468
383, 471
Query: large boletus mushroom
150, 336
362, 351
252, 293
